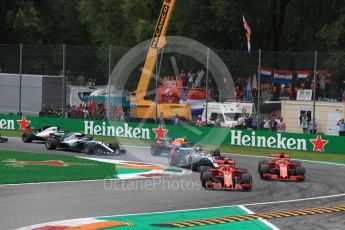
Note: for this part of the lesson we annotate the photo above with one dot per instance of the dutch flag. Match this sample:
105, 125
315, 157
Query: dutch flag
302, 75
266, 72
282, 76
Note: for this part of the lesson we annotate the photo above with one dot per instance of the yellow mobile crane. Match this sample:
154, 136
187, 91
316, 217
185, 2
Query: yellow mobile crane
140, 106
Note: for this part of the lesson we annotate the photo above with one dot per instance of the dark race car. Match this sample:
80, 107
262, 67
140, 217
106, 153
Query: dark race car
227, 177
39, 134
82, 143
281, 168
161, 147
3, 139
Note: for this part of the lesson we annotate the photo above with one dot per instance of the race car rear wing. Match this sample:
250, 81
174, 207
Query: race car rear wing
224, 161
280, 155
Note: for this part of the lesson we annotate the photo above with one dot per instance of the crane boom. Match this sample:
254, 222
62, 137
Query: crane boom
140, 106
157, 42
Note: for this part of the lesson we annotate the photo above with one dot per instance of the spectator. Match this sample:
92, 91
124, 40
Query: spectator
241, 121
273, 124
190, 78
249, 90
254, 121
237, 93
175, 119
199, 121
126, 116
160, 119
217, 123
86, 112
248, 121
281, 126
267, 125
322, 86
304, 123
341, 125
312, 126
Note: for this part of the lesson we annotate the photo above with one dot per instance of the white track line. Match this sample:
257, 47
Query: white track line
227, 206
194, 209
273, 227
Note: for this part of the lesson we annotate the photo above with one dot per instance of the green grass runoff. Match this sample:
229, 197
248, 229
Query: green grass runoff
305, 155
13, 170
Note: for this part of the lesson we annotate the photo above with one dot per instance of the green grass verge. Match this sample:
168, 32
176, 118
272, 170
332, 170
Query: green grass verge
306, 155
12, 172
303, 155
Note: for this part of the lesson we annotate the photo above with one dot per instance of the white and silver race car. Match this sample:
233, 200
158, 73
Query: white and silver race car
82, 143
3, 139
39, 134
194, 158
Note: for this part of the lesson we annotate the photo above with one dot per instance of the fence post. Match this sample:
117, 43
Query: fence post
110, 109
314, 88
207, 67
20, 77
259, 91
63, 79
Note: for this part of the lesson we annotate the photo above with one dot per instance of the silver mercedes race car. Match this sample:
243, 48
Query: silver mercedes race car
82, 143
3, 139
194, 158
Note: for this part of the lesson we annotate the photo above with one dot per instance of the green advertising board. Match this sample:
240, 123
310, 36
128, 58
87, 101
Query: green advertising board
199, 135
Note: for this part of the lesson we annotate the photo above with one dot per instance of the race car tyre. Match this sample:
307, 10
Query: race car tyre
205, 161
114, 146
51, 144
27, 137
173, 160
90, 148
3, 139
263, 169
216, 153
261, 162
195, 167
203, 169
246, 179
296, 163
155, 150
206, 176
300, 171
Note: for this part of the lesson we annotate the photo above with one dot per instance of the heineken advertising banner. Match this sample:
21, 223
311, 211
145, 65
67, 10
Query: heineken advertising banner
199, 135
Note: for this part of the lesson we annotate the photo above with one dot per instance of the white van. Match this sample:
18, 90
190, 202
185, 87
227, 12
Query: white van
227, 112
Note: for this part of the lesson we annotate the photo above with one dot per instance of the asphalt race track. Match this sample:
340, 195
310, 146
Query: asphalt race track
23, 205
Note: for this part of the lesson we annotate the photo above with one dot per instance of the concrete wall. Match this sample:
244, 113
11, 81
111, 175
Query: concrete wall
327, 115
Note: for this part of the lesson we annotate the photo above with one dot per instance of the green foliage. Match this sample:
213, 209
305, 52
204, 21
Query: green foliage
284, 25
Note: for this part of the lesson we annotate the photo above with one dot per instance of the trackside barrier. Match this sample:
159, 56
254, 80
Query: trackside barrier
199, 135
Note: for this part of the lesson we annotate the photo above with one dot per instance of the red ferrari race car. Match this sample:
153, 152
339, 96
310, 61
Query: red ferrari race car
281, 168
227, 177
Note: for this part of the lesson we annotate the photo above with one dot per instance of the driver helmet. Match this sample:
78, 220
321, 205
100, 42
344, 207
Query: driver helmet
216, 153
